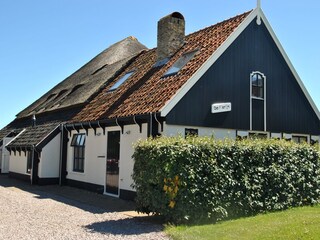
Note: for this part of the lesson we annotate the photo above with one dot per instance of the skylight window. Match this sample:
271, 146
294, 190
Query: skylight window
121, 81
180, 63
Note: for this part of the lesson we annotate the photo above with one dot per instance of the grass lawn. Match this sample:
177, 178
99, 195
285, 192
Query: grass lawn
296, 223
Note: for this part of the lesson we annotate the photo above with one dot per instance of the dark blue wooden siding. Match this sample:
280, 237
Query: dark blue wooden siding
228, 80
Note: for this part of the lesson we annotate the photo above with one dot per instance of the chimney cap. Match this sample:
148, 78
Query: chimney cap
174, 15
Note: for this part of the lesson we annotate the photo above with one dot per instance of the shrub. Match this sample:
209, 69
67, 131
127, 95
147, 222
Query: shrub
202, 178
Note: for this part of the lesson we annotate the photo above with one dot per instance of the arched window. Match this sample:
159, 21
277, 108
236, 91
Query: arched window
257, 85
258, 103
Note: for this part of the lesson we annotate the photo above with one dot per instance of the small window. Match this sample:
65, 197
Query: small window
191, 132
121, 81
257, 83
180, 63
299, 139
29, 161
78, 144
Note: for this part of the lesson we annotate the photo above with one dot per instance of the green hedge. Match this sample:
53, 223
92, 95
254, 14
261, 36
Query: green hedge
201, 178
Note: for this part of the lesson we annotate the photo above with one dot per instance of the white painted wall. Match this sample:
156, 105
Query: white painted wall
218, 133
96, 155
95, 158
131, 135
18, 163
50, 159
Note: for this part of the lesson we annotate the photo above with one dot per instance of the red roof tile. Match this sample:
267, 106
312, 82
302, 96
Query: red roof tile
146, 90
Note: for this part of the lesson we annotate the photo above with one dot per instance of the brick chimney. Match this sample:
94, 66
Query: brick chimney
171, 35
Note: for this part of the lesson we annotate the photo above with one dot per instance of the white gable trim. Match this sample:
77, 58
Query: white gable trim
214, 57
15, 137
286, 58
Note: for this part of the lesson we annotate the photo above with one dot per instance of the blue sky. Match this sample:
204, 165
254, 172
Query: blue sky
43, 42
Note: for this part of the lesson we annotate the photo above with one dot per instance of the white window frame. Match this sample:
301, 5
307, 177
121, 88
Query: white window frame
78, 147
262, 99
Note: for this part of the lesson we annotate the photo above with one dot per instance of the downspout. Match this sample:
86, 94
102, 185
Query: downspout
159, 123
60, 160
32, 165
32, 154
150, 125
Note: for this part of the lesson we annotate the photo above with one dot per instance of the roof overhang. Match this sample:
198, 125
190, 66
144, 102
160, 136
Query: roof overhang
11, 146
121, 122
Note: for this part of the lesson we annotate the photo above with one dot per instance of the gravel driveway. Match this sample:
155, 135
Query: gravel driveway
53, 212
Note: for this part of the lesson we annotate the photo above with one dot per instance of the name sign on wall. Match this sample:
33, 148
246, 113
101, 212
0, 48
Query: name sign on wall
220, 107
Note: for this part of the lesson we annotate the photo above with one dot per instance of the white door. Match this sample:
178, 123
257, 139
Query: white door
5, 156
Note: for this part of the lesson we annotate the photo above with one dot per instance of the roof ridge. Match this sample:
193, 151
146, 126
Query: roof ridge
219, 23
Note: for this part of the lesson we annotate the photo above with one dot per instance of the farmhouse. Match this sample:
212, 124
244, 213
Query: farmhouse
230, 80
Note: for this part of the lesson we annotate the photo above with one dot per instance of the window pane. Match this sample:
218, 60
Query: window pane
260, 81
254, 80
261, 92
78, 140
82, 140
74, 140
78, 159
120, 81
180, 63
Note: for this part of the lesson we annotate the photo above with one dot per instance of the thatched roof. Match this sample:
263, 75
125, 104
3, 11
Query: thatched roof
84, 83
